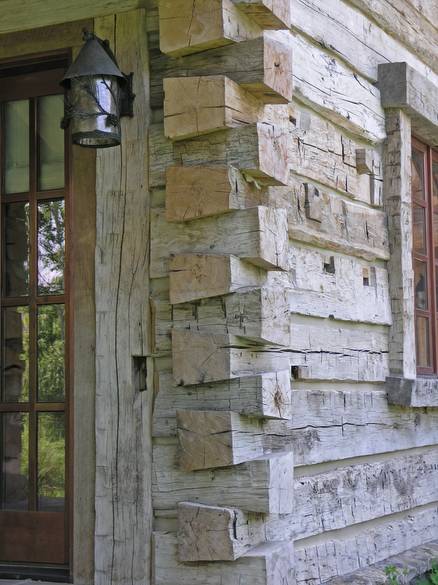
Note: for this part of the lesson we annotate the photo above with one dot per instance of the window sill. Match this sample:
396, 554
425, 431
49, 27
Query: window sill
421, 392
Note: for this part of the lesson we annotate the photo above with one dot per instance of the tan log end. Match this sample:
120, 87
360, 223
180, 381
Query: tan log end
269, 14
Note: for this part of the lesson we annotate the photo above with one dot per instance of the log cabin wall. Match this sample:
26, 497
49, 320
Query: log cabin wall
280, 294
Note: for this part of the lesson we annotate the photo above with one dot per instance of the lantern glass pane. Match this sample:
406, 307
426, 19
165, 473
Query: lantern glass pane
51, 142
16, 155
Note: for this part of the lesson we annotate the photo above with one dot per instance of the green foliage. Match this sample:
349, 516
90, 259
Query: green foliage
394, 575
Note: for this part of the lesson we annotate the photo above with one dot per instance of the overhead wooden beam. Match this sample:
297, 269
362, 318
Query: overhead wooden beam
200, 105
38, 13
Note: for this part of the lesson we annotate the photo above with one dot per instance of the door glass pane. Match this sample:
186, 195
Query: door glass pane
51, 142
15, 354
419, 221
16, 156
422, 342
14, 433
51, 242
420, 278
16, 250
51, 461
51, 353
417, 169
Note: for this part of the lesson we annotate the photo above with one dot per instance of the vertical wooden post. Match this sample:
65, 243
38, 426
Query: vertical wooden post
123, 411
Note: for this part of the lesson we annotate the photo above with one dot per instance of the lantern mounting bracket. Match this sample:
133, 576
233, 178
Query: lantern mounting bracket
127, 97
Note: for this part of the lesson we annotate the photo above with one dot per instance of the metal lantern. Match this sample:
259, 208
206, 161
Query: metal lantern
98, 95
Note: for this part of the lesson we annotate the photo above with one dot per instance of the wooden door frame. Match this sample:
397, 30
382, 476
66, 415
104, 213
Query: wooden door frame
42, 45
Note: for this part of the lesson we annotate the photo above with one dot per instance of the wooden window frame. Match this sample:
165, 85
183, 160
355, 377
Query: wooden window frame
430, 259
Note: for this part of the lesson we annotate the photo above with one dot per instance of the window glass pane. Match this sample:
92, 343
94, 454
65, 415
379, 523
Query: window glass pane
51, 461
419, 225
51, 241
16, 250
417, 169
16, 156
14, 436
51, 142
51, 353
422, 342
15, 354
420, 279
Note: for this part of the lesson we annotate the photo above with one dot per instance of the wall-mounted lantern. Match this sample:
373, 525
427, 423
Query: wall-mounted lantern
98, 95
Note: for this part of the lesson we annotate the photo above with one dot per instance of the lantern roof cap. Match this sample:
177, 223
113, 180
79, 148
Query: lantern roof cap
95, 58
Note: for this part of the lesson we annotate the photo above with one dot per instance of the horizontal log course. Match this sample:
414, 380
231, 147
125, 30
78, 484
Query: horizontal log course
264, 396
344, 554
267, 73
196, 192
212, 533
328, 86
269, 14
258, 235
356, 38
259, 150
198, 358
262, 485
344, 294
267, 564
325, 154
212, 439
260, 315
189, 27
200, 105
336, 424
197, 276
345, 226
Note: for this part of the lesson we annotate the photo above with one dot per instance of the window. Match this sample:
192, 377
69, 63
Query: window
425, 254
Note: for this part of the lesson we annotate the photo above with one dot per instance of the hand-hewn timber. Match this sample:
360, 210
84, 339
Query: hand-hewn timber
267, 73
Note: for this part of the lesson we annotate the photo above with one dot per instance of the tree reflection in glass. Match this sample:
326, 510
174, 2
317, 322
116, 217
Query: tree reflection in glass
51, 244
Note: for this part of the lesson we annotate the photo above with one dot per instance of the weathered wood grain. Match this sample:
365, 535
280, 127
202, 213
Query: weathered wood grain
342, 294
122, 504
421, 392
321, 152
259, 150
403, 87
267, 564
331, 425
196, 276
212, 533
41, 13
403, 22
269, 14
346, 226
260, 314
188, 26
398, 206
195, 192
258, 235
200, 105
355, 37
318, 562
328, 86
267, 73
262, 485
264, 396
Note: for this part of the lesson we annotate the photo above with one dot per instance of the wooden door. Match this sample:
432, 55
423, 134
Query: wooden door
35, 319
